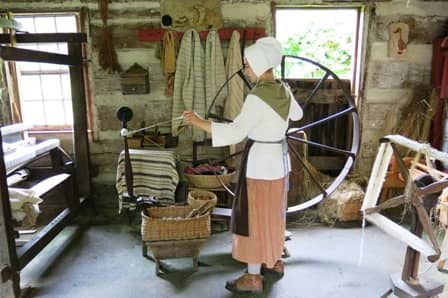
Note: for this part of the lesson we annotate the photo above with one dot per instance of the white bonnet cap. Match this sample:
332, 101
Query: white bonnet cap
264, 54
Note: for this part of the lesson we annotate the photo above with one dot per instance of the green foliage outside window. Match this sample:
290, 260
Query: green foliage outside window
329, 46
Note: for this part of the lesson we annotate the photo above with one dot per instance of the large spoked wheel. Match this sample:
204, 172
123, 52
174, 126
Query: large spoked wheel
303, 133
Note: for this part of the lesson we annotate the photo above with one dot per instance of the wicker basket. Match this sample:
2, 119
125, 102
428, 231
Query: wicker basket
196, 203
169, 223
209, 181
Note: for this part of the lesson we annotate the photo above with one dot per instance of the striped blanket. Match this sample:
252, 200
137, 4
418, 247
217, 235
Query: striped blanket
154, 174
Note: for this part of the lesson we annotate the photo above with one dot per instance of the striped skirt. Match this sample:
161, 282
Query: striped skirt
267, 206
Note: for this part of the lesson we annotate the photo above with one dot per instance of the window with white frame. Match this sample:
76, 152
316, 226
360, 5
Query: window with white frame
44, 89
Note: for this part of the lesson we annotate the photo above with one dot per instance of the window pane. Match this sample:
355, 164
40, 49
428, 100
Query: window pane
51, 87
54, 112
46, 96
28, 66
27, 23
30, 88
45, 24
63, 48
49, 47
33, 112
66, 24
30, 46
66, 87
68, 111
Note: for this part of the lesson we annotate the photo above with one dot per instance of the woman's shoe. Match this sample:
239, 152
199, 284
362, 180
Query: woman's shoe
278, 270
247, 283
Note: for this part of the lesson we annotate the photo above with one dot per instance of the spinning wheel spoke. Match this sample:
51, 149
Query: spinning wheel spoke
401, 166
323, 120
305, 166
345, 152
426, 224
322, 80
390, 203
435, 187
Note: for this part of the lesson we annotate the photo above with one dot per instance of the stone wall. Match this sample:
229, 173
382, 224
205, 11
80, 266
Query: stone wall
391, 82
387, 83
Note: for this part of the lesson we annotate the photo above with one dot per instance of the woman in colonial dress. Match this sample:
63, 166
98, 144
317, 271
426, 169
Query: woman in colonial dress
259, 208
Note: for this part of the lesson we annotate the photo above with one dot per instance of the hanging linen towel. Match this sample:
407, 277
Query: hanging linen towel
215, 72
154, 174
235, 97
189, 93
170, 45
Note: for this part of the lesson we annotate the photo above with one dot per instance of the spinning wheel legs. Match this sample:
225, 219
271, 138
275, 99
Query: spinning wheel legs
409, 284
419, 288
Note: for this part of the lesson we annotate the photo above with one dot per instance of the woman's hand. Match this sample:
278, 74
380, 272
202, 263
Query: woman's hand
197, 121
191, 117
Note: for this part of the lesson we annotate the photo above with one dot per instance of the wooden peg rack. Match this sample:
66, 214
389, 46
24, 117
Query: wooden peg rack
224, 34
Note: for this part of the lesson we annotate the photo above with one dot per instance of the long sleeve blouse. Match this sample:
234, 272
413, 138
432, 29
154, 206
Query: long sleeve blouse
259, 122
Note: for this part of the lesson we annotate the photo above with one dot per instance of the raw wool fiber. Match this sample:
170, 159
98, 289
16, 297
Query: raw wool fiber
416, 116
343, 205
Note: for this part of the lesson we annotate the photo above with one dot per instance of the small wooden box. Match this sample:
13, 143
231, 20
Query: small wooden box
135, 80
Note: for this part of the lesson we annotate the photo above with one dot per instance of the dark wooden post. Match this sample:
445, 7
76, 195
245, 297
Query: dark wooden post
9, 267
80, 135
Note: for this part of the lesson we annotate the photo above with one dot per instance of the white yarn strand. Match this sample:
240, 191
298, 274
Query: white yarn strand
361, 244
124, 132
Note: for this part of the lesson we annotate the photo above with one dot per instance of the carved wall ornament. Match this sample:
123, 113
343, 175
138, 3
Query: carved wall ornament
398, 39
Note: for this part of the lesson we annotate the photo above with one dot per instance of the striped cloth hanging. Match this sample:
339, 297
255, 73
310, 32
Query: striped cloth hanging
215, 72
235, 96
189, 92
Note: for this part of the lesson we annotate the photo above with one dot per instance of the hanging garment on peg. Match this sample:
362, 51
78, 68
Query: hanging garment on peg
189, 81
215, 72
234, 63
170, 45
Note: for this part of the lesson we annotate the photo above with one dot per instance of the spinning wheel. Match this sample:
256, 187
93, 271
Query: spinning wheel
297, 134
416, 194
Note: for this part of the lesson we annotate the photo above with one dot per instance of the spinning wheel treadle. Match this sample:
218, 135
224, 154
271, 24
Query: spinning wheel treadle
417, 193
